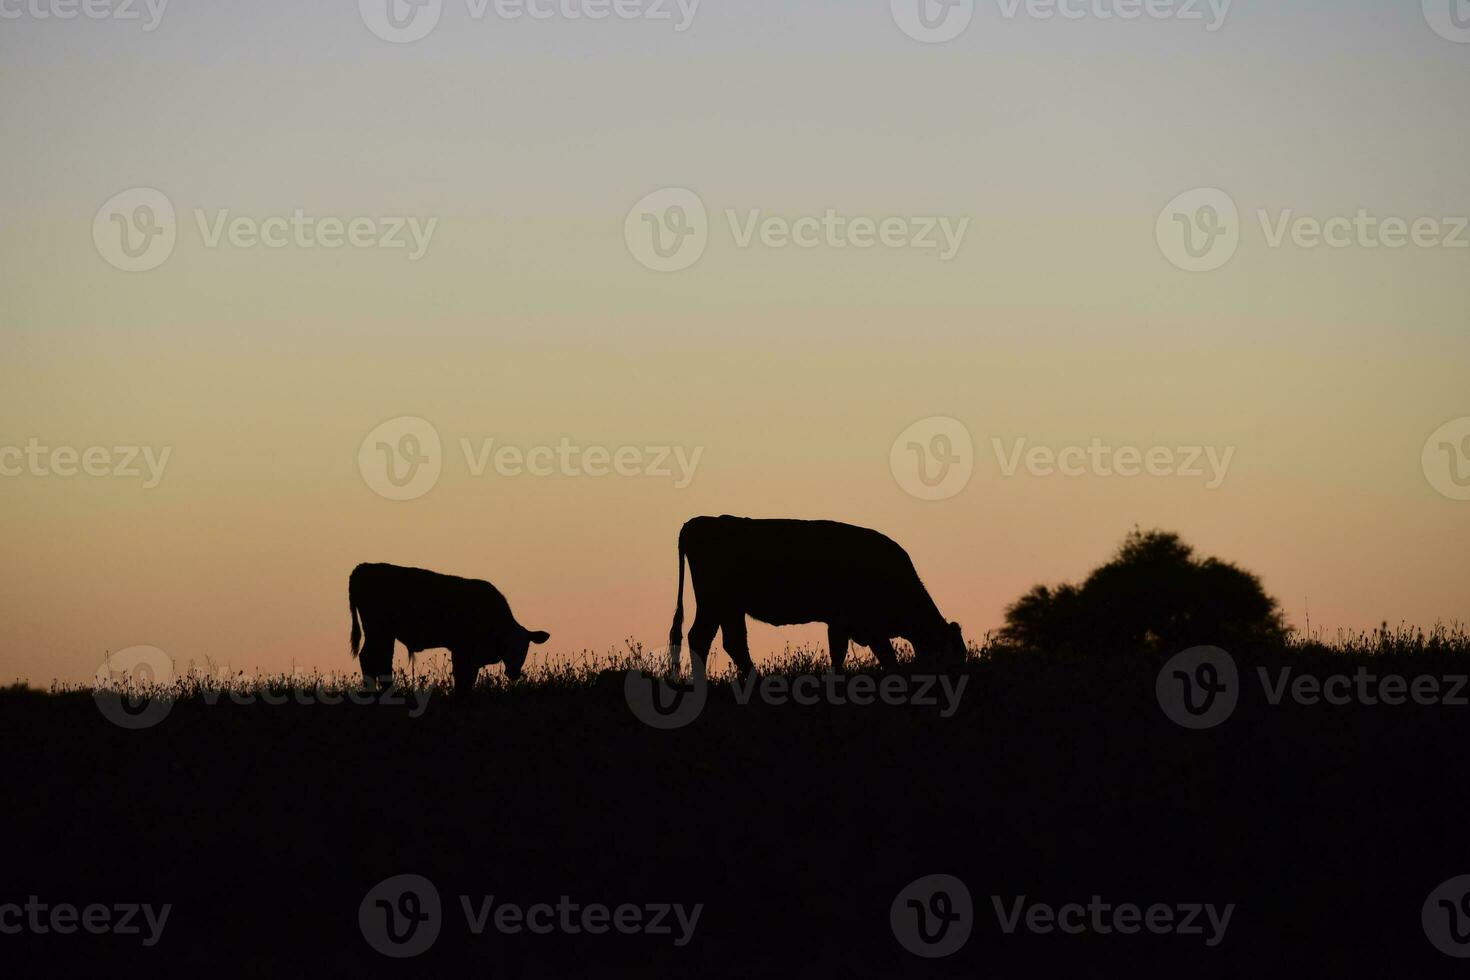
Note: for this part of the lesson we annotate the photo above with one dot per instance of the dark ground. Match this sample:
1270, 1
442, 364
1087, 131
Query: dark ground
796, 827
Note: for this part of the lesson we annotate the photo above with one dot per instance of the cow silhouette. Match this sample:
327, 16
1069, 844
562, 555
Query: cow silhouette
426, 610
856, 580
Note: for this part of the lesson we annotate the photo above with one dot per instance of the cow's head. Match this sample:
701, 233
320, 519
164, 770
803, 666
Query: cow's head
943, 651
514, 646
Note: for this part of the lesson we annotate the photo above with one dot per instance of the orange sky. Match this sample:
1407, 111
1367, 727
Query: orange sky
531, 317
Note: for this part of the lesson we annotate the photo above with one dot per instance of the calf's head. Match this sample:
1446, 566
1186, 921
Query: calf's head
512, 647
942, 650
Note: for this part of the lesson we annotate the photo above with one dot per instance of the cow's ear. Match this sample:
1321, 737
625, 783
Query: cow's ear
539, 636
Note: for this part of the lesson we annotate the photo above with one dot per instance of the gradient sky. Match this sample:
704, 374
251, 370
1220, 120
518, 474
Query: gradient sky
529, 321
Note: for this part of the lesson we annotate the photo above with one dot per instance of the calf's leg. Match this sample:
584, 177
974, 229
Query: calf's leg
837, 640
701, 635
737, 645
883, 649
465, 672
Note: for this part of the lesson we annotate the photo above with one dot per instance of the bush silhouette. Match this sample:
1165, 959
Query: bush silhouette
1154, 595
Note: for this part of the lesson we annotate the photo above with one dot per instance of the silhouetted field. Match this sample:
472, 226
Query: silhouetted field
795, 826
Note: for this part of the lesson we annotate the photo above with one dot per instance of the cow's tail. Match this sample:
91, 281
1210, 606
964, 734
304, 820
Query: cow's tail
352, 612
676, 631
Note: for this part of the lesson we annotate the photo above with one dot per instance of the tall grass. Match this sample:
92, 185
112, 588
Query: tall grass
586, 668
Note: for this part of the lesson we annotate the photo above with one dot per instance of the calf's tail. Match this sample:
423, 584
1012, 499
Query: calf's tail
676, 631
352, 612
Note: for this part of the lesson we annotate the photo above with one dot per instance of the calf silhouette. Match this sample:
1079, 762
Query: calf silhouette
857, 581
424, 610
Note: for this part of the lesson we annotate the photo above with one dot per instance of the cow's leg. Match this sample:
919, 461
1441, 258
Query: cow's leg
465, 673
736, 643
376, 657
837, 640
882, 648
701, 635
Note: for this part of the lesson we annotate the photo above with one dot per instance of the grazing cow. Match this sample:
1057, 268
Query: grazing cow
782, 572
425, 610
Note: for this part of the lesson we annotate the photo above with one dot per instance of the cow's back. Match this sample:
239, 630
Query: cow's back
792, 571
422, 608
